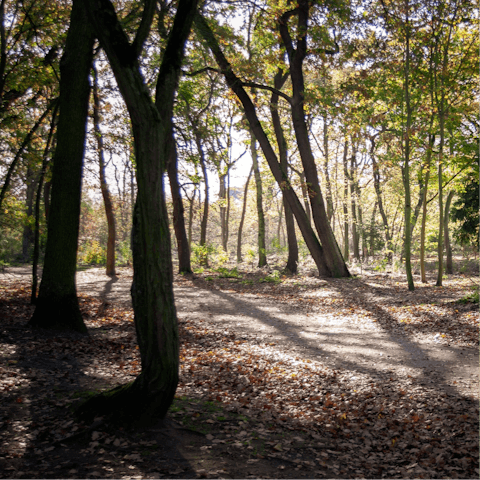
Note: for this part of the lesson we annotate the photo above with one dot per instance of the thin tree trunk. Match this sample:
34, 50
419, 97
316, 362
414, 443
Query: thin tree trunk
262, 257
306, 201
57, 304
107, 200
372, 230
406, 167
242, 218
227, 213
352, 178
292, 260
448, 246
326, 161
36, 242
222, 197
190, 217
346, 252
27, 237
18, 155
206, 202
431, 142
184, 265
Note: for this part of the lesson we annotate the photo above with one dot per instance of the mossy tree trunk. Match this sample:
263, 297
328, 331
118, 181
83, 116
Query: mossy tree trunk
150, 395
57, 304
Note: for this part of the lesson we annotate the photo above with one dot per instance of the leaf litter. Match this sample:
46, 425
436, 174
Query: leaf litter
240, 396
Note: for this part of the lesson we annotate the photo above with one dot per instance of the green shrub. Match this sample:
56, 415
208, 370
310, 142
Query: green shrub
124, 253
94, 254
228, 273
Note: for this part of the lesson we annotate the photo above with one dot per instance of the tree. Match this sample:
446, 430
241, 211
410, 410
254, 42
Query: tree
152, 392
110, 270
57, 304
296, 53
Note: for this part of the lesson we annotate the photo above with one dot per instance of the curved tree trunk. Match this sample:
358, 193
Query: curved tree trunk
57, 303
280, 176
296, 56
107, 200
150, 395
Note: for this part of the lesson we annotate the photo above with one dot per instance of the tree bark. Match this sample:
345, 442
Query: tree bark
346, 252
57, 304
353, 197
431, 142
262, 257
107, 200
296, 56
150, 395
206, 202
282, 179
448, 246
183, 245
36, 240
242, 218
292, 260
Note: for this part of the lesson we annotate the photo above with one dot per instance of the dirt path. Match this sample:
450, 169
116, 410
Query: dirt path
298, 378
366, 342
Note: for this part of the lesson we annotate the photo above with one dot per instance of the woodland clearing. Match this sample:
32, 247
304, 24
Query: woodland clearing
281, 377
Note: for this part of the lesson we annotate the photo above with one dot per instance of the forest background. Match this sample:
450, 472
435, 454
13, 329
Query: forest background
354, 126
390, 106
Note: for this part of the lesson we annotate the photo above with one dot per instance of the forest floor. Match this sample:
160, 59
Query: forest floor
281, 377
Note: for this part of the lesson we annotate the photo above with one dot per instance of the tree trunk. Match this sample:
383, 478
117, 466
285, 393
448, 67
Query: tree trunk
36, 242
222, 197
326, 161
431, 142
236, 85
27, 237
190, 217
18, 155
242, 218
406, 166
296, 56
353, 196
262, 257
448, 246
107, 201
206, 203
150, 395
372, 230
292, 260
346, 252
306, 201
376, 184
57, 303
184, 265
